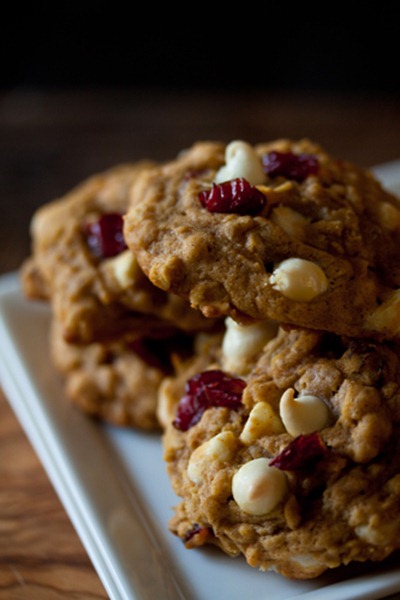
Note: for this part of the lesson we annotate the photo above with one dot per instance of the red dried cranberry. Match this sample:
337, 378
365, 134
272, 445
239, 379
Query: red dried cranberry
159, 352
290, 165
302, 453
204, 390
105, 236
152, 352
235, 196
198, 536
189, 412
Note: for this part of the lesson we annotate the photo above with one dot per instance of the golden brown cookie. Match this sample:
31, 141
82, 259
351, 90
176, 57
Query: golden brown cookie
295, 463
80, 262
117, 381
279, 231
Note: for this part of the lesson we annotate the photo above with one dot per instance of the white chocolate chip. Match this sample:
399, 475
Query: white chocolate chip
241, 160
219, 448
367, 534
124, 268
377, 536
305, 414
166, 402
243, 342
291, 221
262, 420
306, 561
298, 279
389, 216
258, 488
386, 318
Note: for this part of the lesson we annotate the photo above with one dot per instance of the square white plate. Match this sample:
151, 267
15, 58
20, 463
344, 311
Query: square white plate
113, 485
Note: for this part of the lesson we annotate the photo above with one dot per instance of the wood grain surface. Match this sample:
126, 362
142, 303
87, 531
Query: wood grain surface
41, 557
49, 142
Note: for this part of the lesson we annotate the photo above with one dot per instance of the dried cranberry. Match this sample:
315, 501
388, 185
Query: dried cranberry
202, 535
204, 390
302, 453
152, 352
235, 196
158, 352
105, 236
290, 165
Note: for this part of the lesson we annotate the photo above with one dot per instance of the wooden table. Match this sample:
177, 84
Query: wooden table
48, 143
41, 556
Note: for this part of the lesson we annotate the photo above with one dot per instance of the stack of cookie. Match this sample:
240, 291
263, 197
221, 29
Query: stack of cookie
270, 277
283, 439
114, 336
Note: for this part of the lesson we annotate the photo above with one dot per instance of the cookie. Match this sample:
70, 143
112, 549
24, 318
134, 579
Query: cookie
293, 465
80, 262
280, 231
117, 381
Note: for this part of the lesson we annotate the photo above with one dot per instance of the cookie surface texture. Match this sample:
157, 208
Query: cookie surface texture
302, 474
80, 263
117, 381
236, 234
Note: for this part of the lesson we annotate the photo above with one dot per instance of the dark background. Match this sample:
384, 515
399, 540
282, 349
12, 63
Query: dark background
86, 86
266, 46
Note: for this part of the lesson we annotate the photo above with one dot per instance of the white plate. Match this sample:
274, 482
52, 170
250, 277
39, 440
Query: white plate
113, 485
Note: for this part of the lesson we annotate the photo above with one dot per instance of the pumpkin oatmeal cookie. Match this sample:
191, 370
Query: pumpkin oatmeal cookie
117, 381
81, 264
280, 231
293, 462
